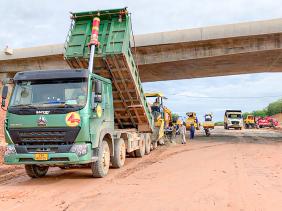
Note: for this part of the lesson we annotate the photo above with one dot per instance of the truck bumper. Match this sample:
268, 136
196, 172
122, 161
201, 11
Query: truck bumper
234, 126
68, 158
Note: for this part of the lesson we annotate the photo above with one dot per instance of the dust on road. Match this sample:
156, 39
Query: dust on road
233, 171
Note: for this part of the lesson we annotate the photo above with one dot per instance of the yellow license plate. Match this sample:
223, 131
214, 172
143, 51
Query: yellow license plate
41, 156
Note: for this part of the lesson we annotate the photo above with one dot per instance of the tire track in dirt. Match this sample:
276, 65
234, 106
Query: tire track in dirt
162, 154
8, 173
159, 155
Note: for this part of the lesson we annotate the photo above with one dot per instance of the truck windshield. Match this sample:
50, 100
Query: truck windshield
55, 93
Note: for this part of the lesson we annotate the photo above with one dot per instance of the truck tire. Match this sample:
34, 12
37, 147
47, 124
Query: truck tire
35, 171
207, 132
132, 154
63, 167
148, 144
119, 153
141, 151
101, 167
161, 141
155, 145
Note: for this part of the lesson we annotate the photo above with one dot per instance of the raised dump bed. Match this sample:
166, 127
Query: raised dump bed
113, 60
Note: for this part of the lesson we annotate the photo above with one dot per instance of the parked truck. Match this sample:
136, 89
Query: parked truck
81, 116
233, 119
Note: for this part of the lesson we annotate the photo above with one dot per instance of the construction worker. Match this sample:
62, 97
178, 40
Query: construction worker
156, 103
183, 133
192, 131
169, 132
173, 132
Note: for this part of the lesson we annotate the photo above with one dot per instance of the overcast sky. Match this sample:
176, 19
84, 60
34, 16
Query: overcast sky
26, 23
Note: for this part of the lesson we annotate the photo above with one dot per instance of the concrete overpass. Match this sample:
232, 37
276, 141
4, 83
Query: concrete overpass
250, 47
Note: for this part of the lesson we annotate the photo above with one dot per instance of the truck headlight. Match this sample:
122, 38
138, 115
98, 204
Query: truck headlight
79, 149
10, 149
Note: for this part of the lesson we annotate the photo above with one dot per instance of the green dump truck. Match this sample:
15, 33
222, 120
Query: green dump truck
78, 117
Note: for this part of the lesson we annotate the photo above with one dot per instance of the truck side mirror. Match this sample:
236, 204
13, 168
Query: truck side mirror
98, 87
96, 93
4, 96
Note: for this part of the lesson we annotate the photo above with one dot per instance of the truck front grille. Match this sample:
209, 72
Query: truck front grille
43, 139
235, 122
56, 137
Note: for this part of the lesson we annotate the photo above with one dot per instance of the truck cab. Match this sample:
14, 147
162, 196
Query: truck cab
58, 118
233, 119
249, 122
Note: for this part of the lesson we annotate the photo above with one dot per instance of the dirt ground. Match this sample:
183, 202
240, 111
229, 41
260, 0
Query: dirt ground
231, 170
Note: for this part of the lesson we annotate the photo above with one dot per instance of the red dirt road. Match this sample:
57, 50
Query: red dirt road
227, 172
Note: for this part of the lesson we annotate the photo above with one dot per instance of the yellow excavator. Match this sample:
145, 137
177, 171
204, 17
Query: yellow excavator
162, 116
250, 122
192, 119
177, 121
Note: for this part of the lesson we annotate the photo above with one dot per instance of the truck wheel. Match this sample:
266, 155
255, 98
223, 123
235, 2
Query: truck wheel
63, 167
155, 145
207, 131
119, 154
141, 151
148, 144
35, 171
100, 168
161, 141
132, 154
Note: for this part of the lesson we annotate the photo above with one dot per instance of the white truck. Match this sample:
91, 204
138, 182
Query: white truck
233, 119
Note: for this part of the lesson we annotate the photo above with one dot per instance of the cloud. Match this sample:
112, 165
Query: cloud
227, 91
34, 22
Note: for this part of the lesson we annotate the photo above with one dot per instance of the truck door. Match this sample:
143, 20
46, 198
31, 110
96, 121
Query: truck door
97, 105
107, 102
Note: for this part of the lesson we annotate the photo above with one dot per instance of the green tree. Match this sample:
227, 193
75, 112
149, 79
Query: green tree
261, 113
246, 114
219, 123
274, 108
